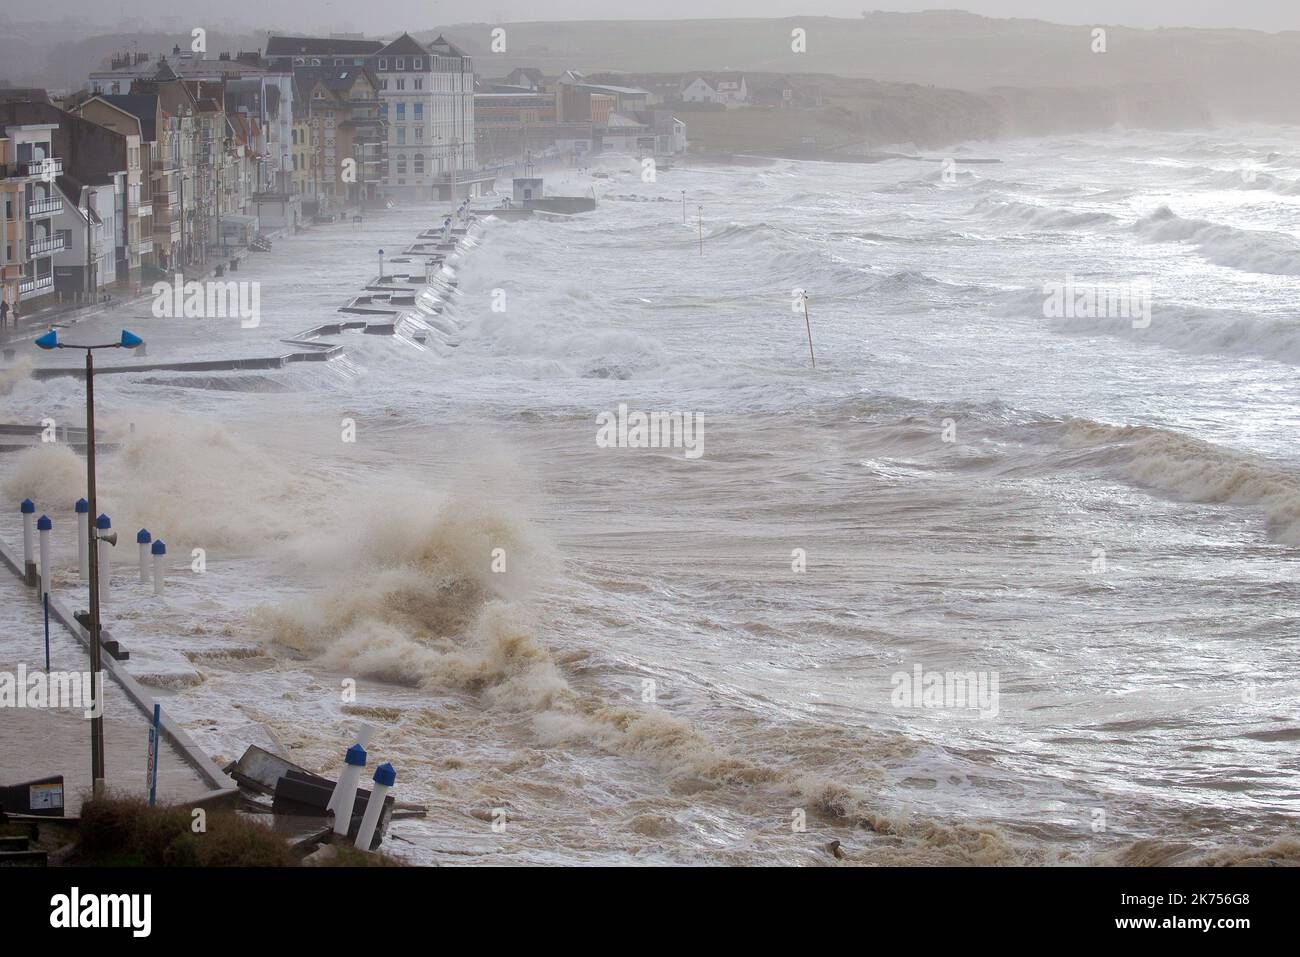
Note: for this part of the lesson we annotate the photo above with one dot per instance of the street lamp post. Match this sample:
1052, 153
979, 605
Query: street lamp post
129, 340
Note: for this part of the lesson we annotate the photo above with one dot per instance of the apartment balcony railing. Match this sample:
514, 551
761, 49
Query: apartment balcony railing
44, 207
35, 286
38, 247
51, 166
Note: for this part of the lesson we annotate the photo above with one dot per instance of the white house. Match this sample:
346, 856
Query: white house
70, 224
728, 89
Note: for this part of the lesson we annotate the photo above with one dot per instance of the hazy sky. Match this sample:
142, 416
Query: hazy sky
387, 15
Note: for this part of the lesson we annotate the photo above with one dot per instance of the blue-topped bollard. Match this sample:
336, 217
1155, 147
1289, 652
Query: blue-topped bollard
159, 558
28, 508
83, 537
102, 524
143, 538
43, 526
345, 792
384, 778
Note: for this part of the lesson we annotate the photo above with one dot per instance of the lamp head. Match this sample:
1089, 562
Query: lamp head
48, 341
130, 340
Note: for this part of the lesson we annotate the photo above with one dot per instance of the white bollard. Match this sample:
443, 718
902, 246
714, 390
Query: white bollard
105, 573
43, 526
28, 508
83, 537
384, 778
143, 538
345, 792
159, 558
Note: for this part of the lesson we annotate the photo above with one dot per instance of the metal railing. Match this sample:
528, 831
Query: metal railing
40, 207
48, 167
51, 245
29, 286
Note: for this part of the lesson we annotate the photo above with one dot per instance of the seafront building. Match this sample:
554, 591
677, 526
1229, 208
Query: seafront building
30, 203
426, 105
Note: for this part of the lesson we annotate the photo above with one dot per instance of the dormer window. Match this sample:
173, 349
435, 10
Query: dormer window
418, 64
401, 63
383, 63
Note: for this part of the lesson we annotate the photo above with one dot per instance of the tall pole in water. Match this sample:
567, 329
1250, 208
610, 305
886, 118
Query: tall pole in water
701, 230
808, 324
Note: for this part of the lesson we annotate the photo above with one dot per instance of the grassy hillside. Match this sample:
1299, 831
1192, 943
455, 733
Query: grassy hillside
1232, 74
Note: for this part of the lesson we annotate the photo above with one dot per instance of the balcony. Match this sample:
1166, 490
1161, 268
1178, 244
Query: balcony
50, 167
27, 288
45, 207
39, 247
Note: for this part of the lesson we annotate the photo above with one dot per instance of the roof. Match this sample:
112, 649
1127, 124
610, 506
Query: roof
335, 78
620, 119
713, 79
144, 106
444, 47
321, 46
531, 72
607, 88
184, 66
405, 45
24, 94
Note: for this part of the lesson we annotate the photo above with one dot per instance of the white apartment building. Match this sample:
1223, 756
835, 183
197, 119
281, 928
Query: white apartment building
427, 97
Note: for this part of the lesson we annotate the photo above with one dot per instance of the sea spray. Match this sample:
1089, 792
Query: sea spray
53, 476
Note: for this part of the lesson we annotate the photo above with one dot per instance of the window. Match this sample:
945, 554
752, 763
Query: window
419, 134
401, 84
419, 162
383, 63
419, 110
401, 136
401, 63
401, 165
418, 65
419, 83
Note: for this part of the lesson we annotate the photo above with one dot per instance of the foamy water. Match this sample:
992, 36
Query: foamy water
1101, 515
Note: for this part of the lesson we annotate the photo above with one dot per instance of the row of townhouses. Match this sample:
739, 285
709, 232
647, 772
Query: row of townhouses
170, 161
